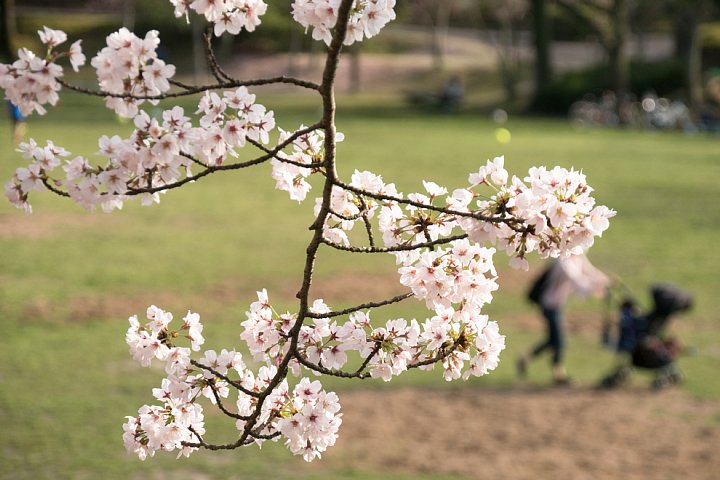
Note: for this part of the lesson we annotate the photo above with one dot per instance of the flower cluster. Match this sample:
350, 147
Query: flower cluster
367, 18
33, 177
347, 208
289, 170
462, 274
312, 422
156, 154
230, 120
453, 335
307, 417
165, 428
32, 81
153, 339
129, 66
551, 212
230, 16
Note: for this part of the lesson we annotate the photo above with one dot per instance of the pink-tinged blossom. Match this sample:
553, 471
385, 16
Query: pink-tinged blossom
144, 344
230, 16
130, 65
287, 168
177, 361
463, 273
336, 236
75, 55
52, 38
181, 7
32, 82
193, 329
314, 425
366, 20
30, 178
163, 428
260, 122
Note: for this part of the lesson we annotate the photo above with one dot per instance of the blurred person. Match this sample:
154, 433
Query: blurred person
710, 110
452, 94
574, 275
17, 120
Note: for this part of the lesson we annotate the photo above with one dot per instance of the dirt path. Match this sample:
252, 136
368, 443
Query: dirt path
526, 433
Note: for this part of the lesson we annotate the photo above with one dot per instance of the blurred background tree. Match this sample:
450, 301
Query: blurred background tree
7, 21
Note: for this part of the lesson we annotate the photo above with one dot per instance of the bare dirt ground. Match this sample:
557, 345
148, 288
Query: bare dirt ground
531, 433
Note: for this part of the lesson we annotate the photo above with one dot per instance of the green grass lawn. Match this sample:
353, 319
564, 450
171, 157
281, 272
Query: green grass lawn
69, 280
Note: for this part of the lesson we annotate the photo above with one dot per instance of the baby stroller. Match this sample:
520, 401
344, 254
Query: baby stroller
641, 342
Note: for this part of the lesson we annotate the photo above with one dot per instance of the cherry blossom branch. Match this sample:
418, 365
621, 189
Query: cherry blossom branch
217, 71
366, 221
193, 90
220, 405
366, 362
511, 222
437, 358
328, 122
364, 306
49, 186
209, 446
231, 166
261, 436
262, 147
226, 378
326, 91
359, 374
193, 159
398, 248
346, 217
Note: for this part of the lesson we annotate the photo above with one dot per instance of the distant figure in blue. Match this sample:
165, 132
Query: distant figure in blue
452, 95
18, 122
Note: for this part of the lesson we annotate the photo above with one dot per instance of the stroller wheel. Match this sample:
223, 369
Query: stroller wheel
659, 383
617, 378
668, 375
676, 378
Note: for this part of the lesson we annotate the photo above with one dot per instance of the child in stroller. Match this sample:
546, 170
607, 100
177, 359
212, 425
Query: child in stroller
641, 342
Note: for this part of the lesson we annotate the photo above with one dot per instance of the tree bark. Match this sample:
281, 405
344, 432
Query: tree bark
618, 51
612, 26
355, 79
439, 34
688, 50
541, 38
129, 14
693, 74
7, 22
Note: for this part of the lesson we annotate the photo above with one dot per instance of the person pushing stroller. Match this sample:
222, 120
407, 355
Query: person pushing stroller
566, 276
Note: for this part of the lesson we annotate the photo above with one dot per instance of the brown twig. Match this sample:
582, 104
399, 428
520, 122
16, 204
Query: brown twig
364, 306
217, 71
398, 248
192, 90
230, 166
226, 378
